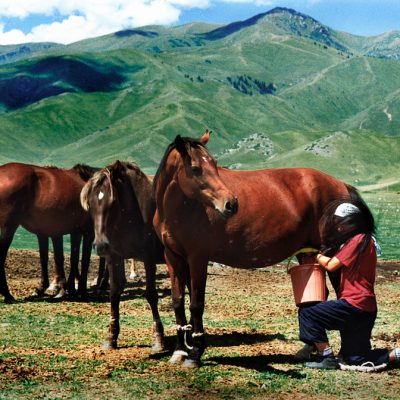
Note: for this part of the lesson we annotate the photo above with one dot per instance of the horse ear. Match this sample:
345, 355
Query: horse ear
118, 170
180, 144
206, 136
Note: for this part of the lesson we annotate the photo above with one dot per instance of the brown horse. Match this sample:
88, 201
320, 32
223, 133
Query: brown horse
119, 199
45, 201
245, 219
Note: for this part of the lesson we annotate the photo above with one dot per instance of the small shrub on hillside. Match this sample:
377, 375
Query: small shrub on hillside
247, 85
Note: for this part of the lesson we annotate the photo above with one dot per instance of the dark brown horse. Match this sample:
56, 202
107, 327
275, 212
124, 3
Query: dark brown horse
45, 201
245, 219
120, 201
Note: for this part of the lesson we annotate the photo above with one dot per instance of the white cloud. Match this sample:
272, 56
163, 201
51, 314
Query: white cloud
255, 2
81, 19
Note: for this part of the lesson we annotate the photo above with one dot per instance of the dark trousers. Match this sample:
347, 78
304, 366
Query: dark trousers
355, 327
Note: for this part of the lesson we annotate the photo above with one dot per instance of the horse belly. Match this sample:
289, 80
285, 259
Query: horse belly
56, 223
239, 253
262, 239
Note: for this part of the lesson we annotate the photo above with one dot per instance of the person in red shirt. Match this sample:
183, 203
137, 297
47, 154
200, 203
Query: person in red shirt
349, 248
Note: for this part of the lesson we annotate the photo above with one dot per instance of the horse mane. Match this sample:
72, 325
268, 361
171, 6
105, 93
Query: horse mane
51, 167
192, 142
84, 171
106, 173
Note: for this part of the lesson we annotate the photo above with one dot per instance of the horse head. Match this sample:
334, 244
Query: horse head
111, 195
188, 162
97, 197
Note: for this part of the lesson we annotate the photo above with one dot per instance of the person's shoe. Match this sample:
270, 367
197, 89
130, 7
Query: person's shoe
368, 366
305, 353
323, 363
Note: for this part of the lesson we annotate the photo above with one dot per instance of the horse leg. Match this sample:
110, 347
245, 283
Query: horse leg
152, 298
59, 281
198, 279
44, 263
116, 268
132, 274
176, 268
102, 275
88, 238
6, 237
74, 271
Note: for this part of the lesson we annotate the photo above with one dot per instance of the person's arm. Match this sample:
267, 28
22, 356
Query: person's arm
328, 263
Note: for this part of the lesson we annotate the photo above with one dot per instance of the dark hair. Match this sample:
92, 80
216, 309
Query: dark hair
336, 230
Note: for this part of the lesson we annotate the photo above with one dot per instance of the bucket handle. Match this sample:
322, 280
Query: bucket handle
302, 250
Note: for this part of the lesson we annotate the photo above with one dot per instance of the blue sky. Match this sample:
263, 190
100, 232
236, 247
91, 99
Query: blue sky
67, 21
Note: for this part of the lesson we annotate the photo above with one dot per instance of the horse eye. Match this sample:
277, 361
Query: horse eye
196, 170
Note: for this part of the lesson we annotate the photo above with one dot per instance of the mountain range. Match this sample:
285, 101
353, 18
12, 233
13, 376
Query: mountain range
278, 89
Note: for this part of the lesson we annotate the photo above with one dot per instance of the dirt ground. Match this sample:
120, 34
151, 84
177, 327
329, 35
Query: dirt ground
224, 286
23, 276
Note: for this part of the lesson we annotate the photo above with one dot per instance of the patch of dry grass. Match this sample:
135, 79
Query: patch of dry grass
52, 349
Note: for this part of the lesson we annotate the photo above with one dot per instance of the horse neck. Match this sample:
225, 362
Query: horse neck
142, 186
125, 196
167, 187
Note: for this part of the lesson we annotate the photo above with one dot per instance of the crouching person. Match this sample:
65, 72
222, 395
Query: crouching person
351, 248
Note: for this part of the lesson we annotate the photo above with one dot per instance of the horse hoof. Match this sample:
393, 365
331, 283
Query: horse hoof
72, 294
109, 345
38, 292
158, 342
190, 363
60, 294
94, 283
158, 346
84, 296
178, 357
9, 299
53, 287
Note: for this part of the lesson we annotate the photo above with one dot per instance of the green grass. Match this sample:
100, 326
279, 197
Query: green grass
52, 349
386, 209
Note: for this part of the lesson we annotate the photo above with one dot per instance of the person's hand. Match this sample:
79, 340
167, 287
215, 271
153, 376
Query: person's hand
308, 258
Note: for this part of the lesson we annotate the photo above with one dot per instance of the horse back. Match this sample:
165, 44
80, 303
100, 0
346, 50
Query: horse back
289, 189
17, 182
279, 212
45, 200
57, 188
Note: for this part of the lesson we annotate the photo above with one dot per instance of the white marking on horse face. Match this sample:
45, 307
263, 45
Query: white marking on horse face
205, 159
101, 195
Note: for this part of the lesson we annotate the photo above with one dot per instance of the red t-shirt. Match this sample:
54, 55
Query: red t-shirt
357, 284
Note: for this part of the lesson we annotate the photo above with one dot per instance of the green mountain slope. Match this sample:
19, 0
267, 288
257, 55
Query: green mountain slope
12, 53
279, 89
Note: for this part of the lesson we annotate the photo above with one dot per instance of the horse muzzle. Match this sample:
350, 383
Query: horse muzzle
230, 208
102, 248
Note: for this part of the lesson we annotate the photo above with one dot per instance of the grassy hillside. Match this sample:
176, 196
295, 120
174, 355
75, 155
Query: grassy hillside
274, 91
